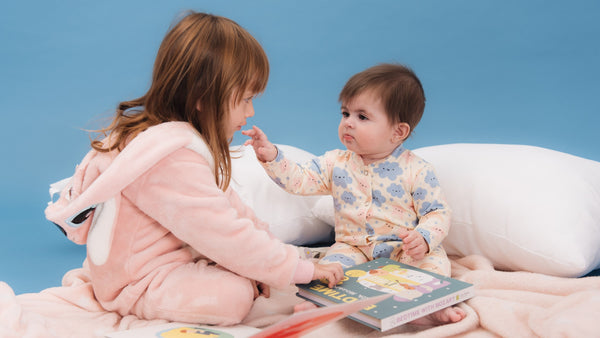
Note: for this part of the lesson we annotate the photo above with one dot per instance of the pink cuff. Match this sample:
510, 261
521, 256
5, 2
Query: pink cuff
304, 272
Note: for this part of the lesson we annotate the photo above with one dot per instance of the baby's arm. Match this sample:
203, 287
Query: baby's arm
310, 178
433, 212
264, 149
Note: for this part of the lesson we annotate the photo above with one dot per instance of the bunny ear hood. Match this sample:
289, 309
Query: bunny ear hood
89, 200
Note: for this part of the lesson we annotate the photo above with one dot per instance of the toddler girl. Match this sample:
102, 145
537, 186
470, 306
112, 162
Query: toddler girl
167, 238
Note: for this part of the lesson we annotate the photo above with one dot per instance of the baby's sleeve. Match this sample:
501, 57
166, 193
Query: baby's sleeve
432, 210
310, 178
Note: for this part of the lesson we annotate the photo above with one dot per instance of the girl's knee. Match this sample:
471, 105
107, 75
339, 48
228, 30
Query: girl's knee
209, 296
235, 301
232, 299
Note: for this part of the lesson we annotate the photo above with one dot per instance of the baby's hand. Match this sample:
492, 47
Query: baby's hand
414, 244
332, 272
264, 149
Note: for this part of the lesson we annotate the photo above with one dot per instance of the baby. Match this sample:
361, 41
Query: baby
388, 201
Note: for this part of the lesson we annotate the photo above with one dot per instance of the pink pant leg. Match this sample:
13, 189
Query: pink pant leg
198, 293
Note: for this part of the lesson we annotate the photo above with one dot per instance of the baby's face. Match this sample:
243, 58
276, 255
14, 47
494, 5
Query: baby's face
365, 128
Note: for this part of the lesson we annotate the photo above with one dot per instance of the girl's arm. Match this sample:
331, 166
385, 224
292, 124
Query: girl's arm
180, 193
244, 211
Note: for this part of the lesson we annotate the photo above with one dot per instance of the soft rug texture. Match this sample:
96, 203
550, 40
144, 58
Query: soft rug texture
507, 304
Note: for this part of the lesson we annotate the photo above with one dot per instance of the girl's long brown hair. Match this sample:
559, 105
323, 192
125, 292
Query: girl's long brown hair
203, 61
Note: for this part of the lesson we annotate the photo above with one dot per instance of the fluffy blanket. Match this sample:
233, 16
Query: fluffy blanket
508, 304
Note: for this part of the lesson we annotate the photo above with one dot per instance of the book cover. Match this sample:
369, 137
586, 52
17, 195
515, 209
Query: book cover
415, 292
293, 326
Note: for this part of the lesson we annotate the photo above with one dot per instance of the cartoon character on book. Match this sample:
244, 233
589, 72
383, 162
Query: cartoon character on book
189, 331
405, 284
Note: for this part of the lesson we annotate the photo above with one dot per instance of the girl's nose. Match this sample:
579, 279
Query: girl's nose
250, 110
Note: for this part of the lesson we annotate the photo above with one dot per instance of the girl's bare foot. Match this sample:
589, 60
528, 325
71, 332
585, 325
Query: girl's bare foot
304, 306
448, 315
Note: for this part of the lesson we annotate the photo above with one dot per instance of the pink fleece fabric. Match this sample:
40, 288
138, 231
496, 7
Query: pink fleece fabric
180, 248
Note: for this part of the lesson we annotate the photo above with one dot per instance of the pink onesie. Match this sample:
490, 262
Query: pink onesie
163, 241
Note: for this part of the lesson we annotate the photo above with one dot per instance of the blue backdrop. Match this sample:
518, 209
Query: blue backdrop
517, 72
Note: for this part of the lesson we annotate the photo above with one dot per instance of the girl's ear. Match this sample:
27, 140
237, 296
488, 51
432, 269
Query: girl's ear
198, 106
401, 133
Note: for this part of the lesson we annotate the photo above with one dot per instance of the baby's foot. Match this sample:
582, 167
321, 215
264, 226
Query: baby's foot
304, 306
444, 316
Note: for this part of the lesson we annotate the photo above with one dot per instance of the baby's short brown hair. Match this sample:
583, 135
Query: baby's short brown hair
399, 88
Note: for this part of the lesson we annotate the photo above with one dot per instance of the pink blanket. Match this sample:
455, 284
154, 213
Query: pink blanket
508, 304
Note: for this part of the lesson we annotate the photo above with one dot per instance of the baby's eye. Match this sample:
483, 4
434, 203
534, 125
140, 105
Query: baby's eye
362, 117
345, 114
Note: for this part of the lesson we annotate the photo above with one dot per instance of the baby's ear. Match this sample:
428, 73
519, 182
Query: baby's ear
401, 132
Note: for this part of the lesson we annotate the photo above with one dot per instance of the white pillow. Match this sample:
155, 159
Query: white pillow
522, 207
291, 218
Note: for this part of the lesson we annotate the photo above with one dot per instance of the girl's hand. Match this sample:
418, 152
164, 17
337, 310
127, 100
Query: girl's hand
414, 244
332, 272
264, 149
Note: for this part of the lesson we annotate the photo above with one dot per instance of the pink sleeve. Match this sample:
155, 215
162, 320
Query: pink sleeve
304, 272
245, 211
180, 193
